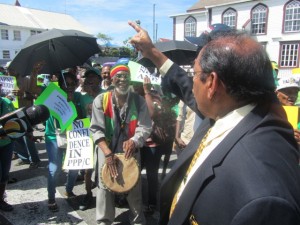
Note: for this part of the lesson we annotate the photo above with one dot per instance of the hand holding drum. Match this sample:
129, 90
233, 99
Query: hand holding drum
119, 174
111, 161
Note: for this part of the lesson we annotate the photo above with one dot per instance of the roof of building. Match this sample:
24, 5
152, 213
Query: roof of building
12, 15
201, 4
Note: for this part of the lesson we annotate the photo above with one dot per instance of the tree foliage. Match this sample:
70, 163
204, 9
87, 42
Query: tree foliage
122, 52
104, 37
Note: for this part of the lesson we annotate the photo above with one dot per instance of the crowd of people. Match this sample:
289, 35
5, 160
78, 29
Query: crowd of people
238, 159
82, 86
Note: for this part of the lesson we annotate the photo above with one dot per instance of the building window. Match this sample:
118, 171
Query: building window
17, 35
5, 54
4, 34
292, 16
289, 54
190, 27
229, 18
34, 32
259, 16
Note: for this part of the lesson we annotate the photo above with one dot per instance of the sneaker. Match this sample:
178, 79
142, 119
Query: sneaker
34, 165
70, 195
22, 162
4, 206
14, 156
52, 206
88, 198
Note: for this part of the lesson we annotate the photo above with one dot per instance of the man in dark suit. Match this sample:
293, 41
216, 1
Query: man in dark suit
245, 169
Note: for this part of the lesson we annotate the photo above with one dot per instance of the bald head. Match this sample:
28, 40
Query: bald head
241, 64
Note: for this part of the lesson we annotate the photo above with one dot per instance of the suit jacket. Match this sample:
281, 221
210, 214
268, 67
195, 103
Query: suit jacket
251, 177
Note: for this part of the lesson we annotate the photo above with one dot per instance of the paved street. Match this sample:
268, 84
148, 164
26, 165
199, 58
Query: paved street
29, 197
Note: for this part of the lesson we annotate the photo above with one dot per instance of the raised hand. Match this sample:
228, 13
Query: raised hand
143, 43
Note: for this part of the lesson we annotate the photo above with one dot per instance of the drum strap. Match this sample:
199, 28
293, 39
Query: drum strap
120, 121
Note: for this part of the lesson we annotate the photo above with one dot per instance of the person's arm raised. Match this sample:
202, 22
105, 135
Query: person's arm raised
143, 43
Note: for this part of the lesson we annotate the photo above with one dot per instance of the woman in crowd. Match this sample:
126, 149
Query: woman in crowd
67, 82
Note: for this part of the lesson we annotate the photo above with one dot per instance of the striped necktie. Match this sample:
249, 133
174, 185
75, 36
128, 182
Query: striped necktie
194, 160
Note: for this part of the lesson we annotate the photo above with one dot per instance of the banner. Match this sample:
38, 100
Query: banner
56, 100
80, 148
293, 115
9, 83
138, 72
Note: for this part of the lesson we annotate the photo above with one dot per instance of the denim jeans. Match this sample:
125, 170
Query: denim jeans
26, 149
55, 156
5, 162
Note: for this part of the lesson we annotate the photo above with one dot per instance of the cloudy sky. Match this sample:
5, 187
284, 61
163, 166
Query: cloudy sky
110, 17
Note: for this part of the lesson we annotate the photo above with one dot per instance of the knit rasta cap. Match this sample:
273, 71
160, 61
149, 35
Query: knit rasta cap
117, 68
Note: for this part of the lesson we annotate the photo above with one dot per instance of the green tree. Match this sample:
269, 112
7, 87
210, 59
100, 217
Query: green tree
104, 37
126, 42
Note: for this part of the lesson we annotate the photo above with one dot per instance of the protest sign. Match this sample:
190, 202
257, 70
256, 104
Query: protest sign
56, 100
9, 83
79, 154
293, 115
138, 72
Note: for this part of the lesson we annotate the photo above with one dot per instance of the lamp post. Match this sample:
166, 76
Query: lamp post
154, 23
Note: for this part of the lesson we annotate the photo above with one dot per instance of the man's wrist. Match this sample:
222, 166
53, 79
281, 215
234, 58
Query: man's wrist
109, 155
165, 67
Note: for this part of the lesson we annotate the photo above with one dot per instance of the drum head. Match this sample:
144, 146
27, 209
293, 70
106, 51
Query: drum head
128, 171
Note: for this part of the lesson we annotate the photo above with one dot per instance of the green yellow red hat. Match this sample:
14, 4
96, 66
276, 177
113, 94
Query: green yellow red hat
117, 68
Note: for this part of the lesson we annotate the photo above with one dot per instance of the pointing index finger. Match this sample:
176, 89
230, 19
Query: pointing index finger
134, 26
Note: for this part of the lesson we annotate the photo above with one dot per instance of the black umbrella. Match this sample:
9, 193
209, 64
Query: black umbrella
180, 52
57, 49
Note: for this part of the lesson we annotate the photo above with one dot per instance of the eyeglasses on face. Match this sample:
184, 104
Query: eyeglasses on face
122, 75
193, 73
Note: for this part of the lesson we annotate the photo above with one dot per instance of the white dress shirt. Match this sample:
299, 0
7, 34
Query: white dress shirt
219, 131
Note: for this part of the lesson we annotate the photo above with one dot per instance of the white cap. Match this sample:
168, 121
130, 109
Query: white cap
288, 82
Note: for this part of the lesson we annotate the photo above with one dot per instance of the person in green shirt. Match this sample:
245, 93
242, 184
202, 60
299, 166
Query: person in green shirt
6, 151
68, 83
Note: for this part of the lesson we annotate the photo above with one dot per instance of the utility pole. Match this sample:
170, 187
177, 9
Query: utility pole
156, 32
154, 23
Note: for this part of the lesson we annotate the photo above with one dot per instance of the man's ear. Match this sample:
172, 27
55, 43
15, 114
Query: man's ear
212, 82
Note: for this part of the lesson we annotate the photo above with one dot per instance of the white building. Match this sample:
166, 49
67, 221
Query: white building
273, 23
18, 23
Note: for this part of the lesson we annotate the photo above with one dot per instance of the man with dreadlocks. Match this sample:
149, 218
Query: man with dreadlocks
120, 124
